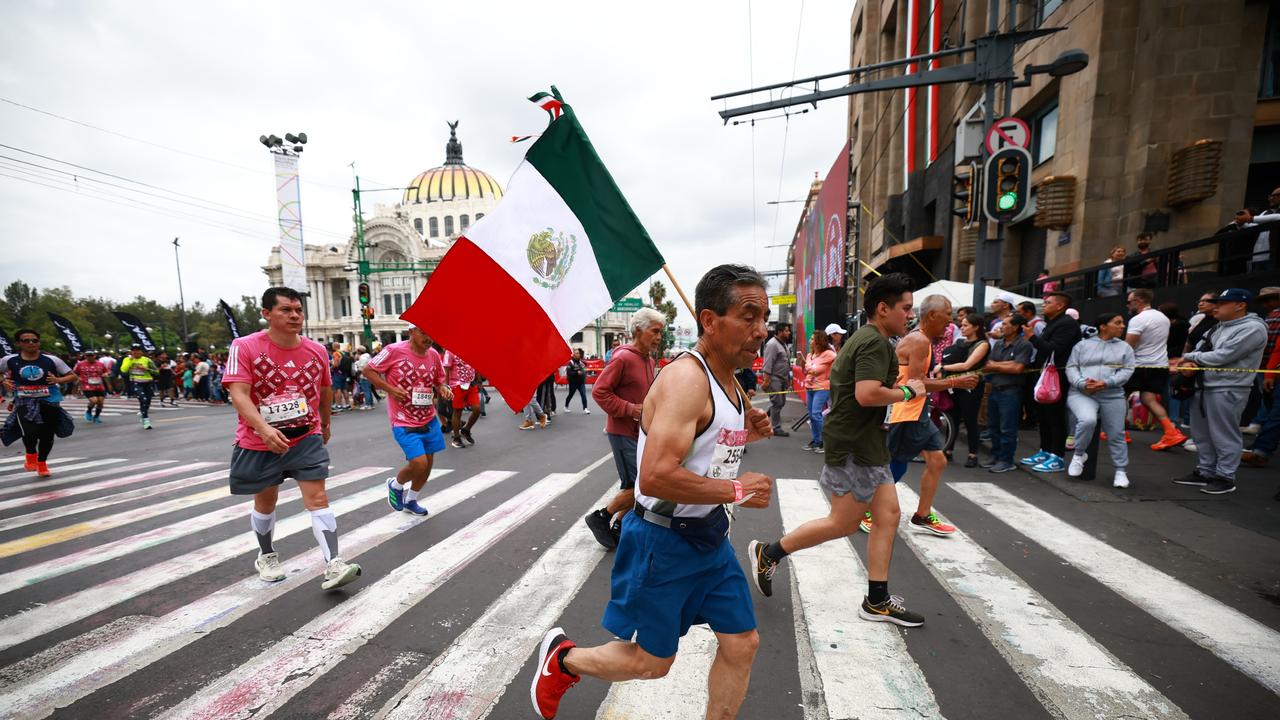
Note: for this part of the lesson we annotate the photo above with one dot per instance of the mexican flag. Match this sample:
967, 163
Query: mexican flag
554, 254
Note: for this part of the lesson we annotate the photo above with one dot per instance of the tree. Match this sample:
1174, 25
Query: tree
658, 300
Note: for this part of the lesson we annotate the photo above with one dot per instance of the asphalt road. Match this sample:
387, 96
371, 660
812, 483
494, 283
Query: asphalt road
127, 588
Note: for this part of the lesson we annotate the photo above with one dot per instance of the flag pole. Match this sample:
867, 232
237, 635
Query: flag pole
680, 291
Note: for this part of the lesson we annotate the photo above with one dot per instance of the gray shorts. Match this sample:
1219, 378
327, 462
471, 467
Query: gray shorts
624, 458
908, 439
253, 471
861, 480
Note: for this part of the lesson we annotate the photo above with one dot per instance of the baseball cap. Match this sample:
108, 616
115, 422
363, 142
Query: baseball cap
1233, 295
1264, 292
834, 329
1007, 297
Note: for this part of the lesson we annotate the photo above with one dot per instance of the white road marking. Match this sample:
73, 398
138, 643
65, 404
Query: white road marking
72, 562
55, 465
107, 664
469, 677
263, 684
41, 619
865, 668
1067, 670
128, 479
681, 694
1241, 641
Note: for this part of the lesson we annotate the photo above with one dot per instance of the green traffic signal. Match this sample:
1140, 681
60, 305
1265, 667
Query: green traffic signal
1007, 201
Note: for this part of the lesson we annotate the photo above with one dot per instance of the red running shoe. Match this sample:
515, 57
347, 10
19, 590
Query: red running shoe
29, 462
550, 680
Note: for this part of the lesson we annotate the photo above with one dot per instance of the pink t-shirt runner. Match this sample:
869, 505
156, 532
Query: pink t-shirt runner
278, 378
91, 372
417, 374
460, 373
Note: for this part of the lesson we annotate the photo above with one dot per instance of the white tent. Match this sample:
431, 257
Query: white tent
961, 294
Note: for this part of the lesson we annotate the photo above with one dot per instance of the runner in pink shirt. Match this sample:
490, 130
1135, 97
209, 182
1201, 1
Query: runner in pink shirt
279, 384
410, 373
466, 394
93, 385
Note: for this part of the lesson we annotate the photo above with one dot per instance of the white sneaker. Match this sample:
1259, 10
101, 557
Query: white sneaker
1121, 481
1251, 429
568, 411
1189, 445
339, 573
586, 411
268, 567
1076, 468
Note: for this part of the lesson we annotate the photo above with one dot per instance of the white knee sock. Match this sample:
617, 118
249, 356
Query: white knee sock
325, 527
263, 526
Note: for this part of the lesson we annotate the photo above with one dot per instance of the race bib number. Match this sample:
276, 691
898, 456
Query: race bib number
422, 397
137, 370
33, 391
284, 409
93, 382
727, 455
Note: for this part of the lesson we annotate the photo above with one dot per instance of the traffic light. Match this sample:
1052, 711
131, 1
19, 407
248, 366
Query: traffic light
366, 312
364, 293
965, 190
1008, 175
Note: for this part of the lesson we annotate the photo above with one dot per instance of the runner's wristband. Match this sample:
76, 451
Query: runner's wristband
737, 491
906, 393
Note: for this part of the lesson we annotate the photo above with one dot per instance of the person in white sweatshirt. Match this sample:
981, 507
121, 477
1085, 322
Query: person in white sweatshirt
1096, 373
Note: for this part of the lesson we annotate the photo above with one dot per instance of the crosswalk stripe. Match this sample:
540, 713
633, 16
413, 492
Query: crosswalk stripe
128, 479
58, 479
470, 676
1067, 670
41, 619
86, 505
49, 569
87, 557
1241, 641
59, 465
111, 662
14, 460
96, 525
865, 669
681, 694
291, 665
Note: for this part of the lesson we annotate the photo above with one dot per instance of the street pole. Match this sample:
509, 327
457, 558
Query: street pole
182, 302
362, 263
982, 264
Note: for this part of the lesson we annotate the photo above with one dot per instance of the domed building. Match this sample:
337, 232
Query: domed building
436, 207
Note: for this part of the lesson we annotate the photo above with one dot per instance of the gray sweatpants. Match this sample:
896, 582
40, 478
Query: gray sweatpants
1085, 408
1215, 427
776, 402
533, 411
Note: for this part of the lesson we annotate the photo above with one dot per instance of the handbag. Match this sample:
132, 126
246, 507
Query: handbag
1048, 387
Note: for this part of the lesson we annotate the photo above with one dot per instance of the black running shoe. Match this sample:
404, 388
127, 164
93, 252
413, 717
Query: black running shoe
466, 435
890, 611
598, 523
1218, 486
1193, 478
762, 568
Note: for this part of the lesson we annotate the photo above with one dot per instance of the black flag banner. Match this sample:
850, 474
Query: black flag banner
137, 329
68, 332
232, 326
6, 344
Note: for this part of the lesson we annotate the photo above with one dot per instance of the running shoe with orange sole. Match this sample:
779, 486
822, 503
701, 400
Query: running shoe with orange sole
1170, 440
931, 524
865, 525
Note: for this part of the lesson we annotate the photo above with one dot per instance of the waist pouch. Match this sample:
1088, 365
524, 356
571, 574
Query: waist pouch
419, 430
293, 433
705, 533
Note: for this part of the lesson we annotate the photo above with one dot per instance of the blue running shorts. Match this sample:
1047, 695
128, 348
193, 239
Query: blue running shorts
416, 444
661, 586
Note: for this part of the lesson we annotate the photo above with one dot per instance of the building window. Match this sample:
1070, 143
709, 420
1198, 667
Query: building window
417, 225
408, 300
464, 222
434, 225
1044, 131
448, 226
399, 300
1269, 78
577, 337
386, 304
478, 216
1045, 9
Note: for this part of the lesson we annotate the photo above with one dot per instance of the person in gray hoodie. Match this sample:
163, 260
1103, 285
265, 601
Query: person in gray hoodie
1236, 341
1096, 374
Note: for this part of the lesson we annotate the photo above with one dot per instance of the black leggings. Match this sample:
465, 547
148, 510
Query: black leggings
38, 439
968, 402
580, 389
144, 391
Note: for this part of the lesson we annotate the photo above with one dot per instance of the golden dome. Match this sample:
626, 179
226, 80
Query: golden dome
451, 182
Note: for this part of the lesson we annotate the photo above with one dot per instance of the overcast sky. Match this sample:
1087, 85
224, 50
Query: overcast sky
374, 83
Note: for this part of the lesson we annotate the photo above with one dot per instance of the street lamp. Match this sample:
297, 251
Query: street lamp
277, 145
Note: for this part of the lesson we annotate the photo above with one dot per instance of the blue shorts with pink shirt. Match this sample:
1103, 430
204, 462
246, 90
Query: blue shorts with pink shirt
416, 442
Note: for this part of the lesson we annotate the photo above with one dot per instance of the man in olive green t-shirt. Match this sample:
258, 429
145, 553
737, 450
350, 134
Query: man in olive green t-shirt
856, 472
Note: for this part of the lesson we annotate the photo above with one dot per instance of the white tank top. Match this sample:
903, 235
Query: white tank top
716, 451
